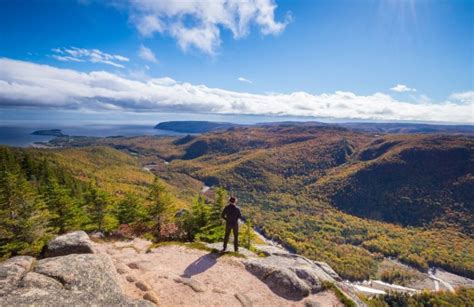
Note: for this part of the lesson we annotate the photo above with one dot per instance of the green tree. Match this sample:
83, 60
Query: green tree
23, 216
248, 234
160, 208
196, 221
129, 209
99, 210
214, 230
218, 206
200, 212
65, 212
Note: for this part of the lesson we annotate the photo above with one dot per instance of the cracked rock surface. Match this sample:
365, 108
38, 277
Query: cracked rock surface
70, 280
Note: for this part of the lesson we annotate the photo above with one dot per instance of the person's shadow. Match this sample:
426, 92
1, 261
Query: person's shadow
201, 265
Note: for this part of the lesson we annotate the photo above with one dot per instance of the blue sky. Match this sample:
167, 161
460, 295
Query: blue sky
372, 60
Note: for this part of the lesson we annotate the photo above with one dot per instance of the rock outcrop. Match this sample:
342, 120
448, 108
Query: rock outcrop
293, 276
288, 275
12, 272
77, 242
79, 278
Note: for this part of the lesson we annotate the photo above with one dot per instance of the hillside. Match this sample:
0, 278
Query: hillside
415, 181
331, 193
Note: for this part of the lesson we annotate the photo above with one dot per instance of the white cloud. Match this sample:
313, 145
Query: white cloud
464, 97
402, 88
28, 84
198, 23
146, 54
74, 54
242, 79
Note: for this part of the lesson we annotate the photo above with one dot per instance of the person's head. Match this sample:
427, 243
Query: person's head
232, 200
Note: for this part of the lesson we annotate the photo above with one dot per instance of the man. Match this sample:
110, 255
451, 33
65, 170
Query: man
231, 214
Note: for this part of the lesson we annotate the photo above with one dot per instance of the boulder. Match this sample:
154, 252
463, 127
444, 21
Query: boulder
12, 271
280, 280
77, 242
72, 280
82, 272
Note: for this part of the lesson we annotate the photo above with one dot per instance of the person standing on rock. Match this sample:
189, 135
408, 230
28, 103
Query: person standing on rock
231, 214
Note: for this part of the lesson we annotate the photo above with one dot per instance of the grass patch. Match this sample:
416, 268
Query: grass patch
341, 296
194, 245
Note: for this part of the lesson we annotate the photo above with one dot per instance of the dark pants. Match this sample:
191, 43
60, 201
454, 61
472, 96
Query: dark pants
235, 229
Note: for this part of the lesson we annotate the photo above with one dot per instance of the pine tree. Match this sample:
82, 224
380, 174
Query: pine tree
65, 212
248, 235
200, 212
98, 207
23, 216
218, 206
161, 207
129, 209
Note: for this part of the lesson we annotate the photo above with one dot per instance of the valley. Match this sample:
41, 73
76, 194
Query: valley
388, 212
346, 197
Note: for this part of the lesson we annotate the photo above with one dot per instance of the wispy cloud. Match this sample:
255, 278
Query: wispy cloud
74, 54
28, 84
146, 54
197, 24
242, 79
463, 97
402, 88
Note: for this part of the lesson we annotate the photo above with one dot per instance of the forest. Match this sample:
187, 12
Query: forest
40, 199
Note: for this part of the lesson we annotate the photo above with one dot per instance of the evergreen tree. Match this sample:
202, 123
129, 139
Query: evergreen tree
200, 212
218, 206
248, 234
23, 216
98, 206
129, 209
65, 212
196, 222
161, 207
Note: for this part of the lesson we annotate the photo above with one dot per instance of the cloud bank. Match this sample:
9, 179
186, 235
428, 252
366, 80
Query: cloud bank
42, 86
74, 54
198, 23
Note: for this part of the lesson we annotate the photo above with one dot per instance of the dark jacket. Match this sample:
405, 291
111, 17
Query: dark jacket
231, 214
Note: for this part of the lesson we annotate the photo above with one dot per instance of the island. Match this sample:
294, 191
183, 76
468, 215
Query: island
50, 132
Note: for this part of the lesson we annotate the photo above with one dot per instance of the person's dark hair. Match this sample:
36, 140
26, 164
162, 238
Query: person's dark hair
232, 199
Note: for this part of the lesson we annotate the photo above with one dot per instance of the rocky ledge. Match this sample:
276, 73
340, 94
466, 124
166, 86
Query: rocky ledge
74, 271
75, 276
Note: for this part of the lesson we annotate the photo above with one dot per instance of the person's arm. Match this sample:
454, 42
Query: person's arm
240, 214
224, 214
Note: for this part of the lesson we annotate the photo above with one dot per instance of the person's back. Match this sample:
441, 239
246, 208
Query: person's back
231, 214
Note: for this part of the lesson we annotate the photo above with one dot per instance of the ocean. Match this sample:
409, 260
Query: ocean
20, 136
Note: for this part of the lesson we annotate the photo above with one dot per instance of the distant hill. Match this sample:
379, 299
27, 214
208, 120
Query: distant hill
409, 128
194, 126
403, 128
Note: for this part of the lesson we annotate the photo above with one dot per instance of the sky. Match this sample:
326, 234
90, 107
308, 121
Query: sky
385, 60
